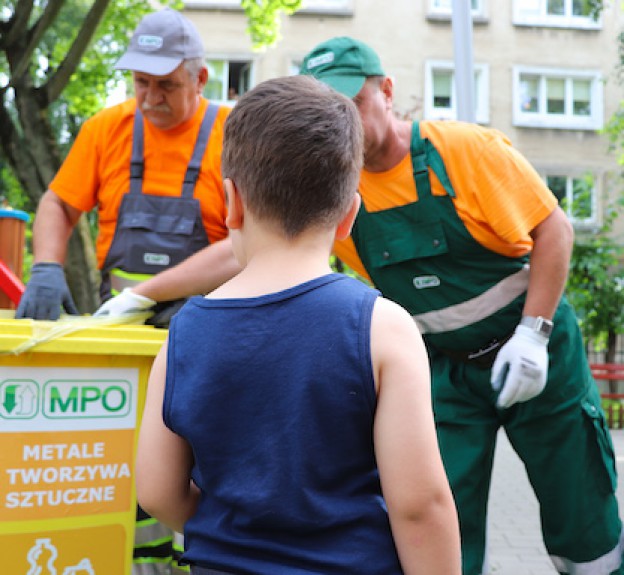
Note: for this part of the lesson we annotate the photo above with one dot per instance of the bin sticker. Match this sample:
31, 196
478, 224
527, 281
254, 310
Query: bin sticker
67, 440
50, 399
87, 551
59, 475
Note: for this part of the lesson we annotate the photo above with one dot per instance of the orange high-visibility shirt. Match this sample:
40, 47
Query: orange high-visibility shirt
499, 196
96, 171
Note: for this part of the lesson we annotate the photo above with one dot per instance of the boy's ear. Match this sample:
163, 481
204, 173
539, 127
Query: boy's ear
344, 227
234, 219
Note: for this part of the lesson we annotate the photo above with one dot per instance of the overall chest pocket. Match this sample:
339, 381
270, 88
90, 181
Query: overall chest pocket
399, 241
156, 232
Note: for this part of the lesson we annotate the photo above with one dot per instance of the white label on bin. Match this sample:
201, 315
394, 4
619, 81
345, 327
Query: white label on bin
56, 399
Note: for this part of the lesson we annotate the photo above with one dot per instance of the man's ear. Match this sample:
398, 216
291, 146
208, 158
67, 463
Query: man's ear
234, 219
344, 227
202, 78
387, 88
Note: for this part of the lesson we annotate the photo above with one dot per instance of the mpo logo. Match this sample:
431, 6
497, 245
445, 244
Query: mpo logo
70, 399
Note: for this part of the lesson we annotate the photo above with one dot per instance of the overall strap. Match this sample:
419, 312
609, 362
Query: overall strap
136, 160
192, 171
424, 156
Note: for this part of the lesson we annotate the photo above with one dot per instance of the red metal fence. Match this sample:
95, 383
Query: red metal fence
612, 403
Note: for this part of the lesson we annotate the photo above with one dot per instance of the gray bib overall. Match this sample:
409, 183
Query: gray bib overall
154, 233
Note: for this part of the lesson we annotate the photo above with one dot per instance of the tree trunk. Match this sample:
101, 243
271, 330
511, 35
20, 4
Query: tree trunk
610, 357
83, 277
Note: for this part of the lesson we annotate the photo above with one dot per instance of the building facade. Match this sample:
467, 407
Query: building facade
544, 74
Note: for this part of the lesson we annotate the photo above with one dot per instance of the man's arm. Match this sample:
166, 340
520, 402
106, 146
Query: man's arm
47, 292
520, 370
200, 273
54, 223
420, 504
164, 459
550, 260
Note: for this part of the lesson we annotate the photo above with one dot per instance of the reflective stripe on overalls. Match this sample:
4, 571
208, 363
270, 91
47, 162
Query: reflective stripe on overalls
465, 297
153, 232
157, 549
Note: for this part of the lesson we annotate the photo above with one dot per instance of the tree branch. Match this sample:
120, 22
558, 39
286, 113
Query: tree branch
57, 82
17, 25
34, 36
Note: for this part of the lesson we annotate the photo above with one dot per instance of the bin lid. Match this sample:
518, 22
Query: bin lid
15, 214
136, 340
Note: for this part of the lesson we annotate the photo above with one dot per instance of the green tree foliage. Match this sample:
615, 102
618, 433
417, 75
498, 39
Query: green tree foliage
263, 17
594, 7
596, 284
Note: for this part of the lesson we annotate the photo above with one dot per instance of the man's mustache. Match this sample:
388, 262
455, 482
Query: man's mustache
145, 107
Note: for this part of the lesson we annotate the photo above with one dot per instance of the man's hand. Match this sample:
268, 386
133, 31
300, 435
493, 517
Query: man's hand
520, 370
126, 302
46, 293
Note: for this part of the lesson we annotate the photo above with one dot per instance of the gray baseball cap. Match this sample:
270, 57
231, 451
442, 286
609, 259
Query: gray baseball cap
160, 43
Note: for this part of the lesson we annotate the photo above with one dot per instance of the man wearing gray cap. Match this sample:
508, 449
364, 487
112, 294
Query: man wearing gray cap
152, 166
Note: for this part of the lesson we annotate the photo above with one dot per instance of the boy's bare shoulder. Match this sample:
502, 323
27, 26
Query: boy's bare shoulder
389, 313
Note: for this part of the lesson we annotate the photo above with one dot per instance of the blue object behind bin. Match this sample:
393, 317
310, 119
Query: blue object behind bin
16, 214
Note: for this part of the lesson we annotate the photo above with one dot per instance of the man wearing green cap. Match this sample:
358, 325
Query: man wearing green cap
457, 227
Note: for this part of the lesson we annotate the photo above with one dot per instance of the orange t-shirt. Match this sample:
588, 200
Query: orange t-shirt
97, 168
499, 196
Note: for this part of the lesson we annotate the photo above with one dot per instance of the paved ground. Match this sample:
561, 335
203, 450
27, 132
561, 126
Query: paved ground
515, 544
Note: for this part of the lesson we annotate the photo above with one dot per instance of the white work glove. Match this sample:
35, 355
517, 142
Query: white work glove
124, 303
520, 369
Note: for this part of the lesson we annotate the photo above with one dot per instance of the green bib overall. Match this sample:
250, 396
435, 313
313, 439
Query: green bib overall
467, 301
423, 256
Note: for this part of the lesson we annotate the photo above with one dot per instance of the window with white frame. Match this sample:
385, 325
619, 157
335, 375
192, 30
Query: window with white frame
445, 7
441, 93
576, 195
228, 79
555, 13
557, 98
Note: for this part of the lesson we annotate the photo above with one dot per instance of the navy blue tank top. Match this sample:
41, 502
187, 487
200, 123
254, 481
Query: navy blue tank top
276, 396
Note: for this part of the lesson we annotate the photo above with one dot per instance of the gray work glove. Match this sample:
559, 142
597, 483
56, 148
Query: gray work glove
46, 293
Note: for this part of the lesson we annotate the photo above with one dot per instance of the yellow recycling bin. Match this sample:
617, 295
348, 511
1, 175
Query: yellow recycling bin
69, 413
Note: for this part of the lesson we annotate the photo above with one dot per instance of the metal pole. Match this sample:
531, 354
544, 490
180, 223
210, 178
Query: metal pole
464, 71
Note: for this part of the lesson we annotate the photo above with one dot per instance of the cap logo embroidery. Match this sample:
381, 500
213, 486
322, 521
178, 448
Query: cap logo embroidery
150, 42
320, 60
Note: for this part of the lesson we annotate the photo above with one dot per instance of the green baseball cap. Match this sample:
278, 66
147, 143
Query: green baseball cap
343, 63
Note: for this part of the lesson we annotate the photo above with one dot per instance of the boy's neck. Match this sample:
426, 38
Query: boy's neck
275, 264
